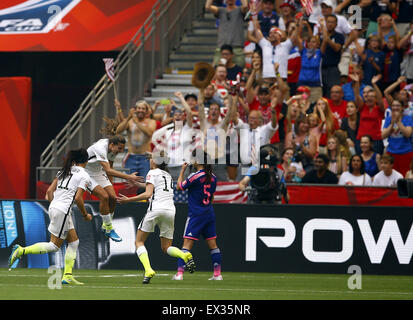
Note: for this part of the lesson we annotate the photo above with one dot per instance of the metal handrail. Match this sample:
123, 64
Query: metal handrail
135, 46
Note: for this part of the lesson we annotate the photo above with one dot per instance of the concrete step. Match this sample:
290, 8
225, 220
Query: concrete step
205, 31
192, 47
169, 91
190, 38
205, 23
191, 56
173, 82
182, 65
176, 76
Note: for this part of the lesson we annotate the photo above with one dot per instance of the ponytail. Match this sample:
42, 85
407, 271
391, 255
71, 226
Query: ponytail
208, 172
73, 157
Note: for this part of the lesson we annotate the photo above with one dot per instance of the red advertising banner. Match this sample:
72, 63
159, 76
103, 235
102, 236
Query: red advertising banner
70, 25
15, 102
299, 194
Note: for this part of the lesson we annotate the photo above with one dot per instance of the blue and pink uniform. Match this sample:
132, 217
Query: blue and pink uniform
201, 216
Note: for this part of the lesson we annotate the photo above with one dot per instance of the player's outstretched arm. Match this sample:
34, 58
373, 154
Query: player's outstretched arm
181, 176
143, 196
115, 173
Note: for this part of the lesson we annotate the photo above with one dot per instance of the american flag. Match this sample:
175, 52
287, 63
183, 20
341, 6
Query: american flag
109, 67
226, 192
308, 6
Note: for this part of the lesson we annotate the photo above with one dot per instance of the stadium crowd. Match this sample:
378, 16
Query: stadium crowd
330, 89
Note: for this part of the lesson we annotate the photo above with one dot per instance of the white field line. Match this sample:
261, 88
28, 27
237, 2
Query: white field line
356, 292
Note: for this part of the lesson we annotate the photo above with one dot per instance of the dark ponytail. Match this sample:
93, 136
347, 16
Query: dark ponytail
207, 168
73, 157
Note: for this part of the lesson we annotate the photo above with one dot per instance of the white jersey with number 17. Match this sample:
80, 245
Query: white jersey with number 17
163, 192
66, 188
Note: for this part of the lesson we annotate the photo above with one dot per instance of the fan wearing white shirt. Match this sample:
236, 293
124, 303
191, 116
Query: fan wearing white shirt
387, 177
274, 50
356, 175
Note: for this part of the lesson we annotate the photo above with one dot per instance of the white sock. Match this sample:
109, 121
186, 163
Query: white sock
140, 250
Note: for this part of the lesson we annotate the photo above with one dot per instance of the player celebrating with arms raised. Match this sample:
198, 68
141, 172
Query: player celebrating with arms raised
100, 168
201, 186
161, 212
68, 187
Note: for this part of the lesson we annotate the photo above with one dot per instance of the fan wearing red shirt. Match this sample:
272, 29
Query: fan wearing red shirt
338, 106
371, 116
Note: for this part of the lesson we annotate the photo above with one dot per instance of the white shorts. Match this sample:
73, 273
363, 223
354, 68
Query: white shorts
60, 223
100, 179
164, 219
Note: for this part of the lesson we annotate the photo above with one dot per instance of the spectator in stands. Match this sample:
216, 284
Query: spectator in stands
356, 174
402, 95
398, 129
386, 27
343, 26
372, 58
293, 112
331, 46
320, 173
375, 9
392, 60
303, 97
220, 79
304, 143
388, 176
192, 100
337, 104
370, 158
293, 171
287, 14
404, 16
345, 144
371, 115
409, 174
176, 138
294, 60
267, 17
349, 56
231, 28
261, 102
351, 122
139, 129
165, 117
255, 131
348, 88
232, 69
327, 122
310, 74
274, 50
338, 161
214, 133
211, 96
407, 43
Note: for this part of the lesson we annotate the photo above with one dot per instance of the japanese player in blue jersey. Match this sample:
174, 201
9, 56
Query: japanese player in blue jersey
201, 186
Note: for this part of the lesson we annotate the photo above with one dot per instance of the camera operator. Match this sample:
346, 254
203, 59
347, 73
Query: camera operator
268, 184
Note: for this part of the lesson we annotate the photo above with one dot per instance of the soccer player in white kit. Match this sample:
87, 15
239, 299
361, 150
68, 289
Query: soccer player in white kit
100, 168
68, 187
161, 212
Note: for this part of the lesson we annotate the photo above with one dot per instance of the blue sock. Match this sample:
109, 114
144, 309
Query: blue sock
181, 262
216, 258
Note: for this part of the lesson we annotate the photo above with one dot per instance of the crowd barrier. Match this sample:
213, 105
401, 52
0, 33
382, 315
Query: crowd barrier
252, 238
227, 192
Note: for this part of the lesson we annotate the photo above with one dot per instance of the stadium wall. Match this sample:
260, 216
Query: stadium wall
252, 238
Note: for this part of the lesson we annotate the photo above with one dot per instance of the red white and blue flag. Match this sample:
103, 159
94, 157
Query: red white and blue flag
110, 68
226, 192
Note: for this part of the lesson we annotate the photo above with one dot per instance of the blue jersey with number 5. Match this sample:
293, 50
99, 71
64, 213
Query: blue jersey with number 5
200, 193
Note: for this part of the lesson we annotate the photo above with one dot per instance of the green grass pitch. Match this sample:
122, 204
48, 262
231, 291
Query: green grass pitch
32, 284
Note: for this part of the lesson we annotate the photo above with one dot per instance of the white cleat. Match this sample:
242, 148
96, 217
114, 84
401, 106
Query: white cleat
216, 278
178, 277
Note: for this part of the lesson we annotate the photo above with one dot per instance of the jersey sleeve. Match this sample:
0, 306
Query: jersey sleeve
84, 181
187, 182
150, 177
